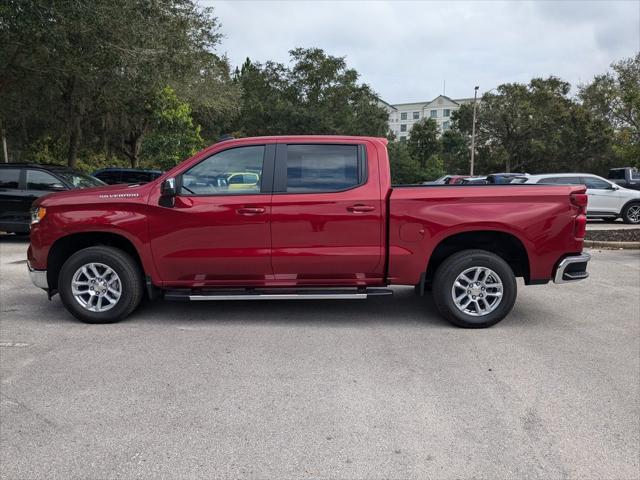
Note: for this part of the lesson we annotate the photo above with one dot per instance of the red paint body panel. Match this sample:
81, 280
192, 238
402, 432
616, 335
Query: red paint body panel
309, 239
542, 218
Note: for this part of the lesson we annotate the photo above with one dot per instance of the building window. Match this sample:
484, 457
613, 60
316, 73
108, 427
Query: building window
403, 116
434, 114
416, 115
445, 125
403, 127
403, 139
446, 112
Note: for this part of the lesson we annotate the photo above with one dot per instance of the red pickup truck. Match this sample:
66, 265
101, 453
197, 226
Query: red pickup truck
303, 217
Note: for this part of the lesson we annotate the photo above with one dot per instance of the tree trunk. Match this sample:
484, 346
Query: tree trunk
74, 142
132, 146
5, 153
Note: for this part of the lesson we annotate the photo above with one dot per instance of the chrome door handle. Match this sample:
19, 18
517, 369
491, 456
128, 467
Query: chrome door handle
251, 210
361, 208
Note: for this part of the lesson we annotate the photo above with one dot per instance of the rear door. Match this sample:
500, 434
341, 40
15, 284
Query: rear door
327, 214
14, 205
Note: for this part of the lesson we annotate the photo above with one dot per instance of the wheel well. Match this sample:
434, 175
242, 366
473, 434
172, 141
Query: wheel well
632, 201
505, 245
64, 247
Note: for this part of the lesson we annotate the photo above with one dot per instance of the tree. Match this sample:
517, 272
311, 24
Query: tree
317, 94
535, 127
455, 152
423, 141
404, 168
614, 97
174, 135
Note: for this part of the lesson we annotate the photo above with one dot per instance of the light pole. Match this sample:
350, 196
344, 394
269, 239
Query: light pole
473, 127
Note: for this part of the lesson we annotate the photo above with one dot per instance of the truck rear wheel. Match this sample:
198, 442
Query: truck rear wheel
100, 284
474, 289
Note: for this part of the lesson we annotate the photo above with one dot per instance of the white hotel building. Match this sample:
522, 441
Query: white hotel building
402, 116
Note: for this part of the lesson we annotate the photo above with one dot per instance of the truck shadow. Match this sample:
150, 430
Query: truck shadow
404, 307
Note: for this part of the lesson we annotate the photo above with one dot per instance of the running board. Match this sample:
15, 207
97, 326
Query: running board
309, 294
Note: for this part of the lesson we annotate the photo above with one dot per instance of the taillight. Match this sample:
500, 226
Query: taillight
580, 200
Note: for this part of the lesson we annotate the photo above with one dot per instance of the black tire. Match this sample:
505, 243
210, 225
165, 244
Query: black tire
449, 271
125, 267
630, 213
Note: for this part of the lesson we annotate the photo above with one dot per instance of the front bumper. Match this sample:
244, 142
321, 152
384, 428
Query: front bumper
572, 269
38, 277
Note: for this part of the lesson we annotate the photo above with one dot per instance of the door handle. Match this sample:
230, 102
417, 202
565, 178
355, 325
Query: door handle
251, 210
359, 208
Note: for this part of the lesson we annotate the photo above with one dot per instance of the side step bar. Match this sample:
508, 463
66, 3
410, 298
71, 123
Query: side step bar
309, 294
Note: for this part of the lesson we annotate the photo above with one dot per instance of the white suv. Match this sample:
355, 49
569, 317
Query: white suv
606, 199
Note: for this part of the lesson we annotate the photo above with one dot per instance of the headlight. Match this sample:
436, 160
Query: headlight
37, 214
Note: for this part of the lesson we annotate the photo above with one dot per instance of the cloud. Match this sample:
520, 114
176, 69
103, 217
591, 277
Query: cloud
406, 49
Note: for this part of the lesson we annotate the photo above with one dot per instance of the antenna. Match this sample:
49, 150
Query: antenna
444, 87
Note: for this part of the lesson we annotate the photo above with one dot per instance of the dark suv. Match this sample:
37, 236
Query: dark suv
22, 183
126, 175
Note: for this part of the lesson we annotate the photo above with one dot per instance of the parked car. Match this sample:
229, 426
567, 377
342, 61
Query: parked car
22, 183
474, 181
627, 177
325, 224
503, 178
447, 180
606, 199
114, 176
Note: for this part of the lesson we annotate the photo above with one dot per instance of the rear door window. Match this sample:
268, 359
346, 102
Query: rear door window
323, 168
10, 178
562, 180
39, 180
595, 183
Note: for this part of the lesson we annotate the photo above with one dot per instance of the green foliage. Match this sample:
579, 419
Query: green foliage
614, 98
423, 141
535, 127
174, 135
317, 94
404, 168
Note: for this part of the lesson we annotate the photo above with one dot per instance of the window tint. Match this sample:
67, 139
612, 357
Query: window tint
562, 180
109, 177
596, 183
617, 174
39, 180
135, 177
236, 171
322, 168
10, 178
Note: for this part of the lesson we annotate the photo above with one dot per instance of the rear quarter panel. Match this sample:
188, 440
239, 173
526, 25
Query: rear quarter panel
540, 216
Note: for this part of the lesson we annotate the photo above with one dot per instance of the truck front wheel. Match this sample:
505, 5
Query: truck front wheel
100, 284
474, 289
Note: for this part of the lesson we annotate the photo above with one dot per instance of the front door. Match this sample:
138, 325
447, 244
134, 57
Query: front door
215, 235
327, 215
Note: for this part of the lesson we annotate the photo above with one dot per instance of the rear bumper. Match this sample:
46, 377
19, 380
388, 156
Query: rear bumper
572, 269
38, 277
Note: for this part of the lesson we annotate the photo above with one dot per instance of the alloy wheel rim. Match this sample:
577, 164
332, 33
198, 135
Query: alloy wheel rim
633, 214
96, 287
477, 291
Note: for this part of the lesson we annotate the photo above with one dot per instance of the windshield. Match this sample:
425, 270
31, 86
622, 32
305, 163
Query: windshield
79, 180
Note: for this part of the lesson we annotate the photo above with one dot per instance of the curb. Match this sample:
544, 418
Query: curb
616, 245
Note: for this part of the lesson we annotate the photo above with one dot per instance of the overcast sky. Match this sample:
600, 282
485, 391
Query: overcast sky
407, 50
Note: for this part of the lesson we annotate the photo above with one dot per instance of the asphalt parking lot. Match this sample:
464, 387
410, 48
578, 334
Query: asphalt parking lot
340, 389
